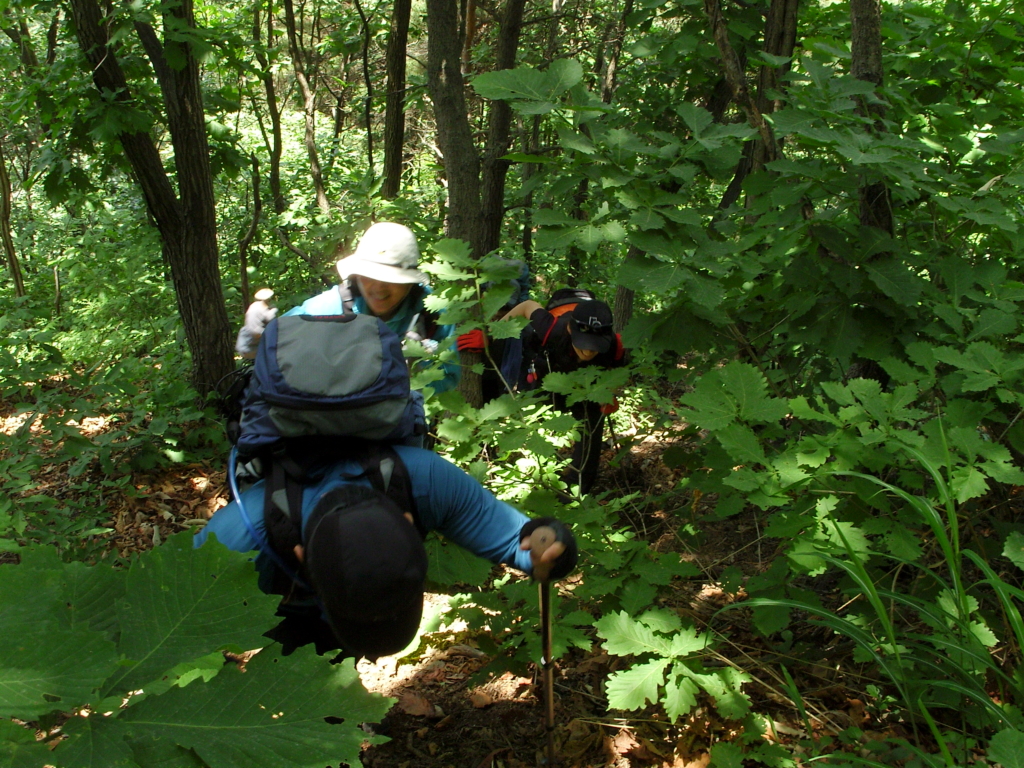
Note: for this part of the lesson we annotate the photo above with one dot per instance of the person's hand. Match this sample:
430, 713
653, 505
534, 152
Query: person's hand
542, 558
609, 408
551, 559
472, 341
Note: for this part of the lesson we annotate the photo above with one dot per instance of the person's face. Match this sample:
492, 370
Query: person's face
382, 299
584, 355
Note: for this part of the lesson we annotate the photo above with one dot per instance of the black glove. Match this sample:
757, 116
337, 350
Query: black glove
566, 561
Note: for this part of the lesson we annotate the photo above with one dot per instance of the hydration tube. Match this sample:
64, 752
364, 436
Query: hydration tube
261, 541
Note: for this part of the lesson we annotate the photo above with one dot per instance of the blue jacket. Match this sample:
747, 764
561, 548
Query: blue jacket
447, 501
330, 303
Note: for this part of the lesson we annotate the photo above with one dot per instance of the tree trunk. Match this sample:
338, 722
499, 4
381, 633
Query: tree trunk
454, 135
866, 49
368, 100
308, 107
622, 312
274, 110
736, 77
495, 169
5, 228
187, 222
394, 108
455, 139
246, 241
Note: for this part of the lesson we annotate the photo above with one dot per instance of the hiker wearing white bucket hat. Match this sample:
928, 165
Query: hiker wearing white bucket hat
382, 279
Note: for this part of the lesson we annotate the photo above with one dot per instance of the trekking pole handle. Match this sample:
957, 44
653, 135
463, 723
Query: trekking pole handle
542, 538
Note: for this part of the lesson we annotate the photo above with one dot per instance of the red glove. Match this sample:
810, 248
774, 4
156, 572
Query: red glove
474, 341
609, 408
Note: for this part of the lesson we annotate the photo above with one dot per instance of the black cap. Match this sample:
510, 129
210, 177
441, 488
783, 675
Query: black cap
367, 564
590, 325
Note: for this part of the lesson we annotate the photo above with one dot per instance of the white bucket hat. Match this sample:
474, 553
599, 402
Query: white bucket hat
386, 252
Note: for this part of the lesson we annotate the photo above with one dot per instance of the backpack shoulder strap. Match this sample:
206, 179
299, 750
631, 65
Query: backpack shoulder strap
388, 474
347, 297
282, 518
544, 341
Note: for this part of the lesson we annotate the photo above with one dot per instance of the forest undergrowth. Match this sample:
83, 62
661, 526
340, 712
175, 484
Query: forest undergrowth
805, 684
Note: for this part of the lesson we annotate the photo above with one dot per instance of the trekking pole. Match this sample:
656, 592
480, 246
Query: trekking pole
540, 540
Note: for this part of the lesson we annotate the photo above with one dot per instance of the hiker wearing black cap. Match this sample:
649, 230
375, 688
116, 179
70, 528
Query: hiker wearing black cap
359, 559
582, 336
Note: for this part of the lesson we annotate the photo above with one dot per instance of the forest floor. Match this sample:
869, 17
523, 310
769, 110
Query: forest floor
441, 719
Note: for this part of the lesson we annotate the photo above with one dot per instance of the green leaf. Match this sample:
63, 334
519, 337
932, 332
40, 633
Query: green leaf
726, 754
968, 483
269, 716
626, 636
45, 668
634, 687
450, 564
680, 697
182, 603
741, 443
1007, 748
894, 280
993, 323
747, 386
1014, 549
19, 748
696, 118
637, 595
45, 664
575, 140
530, 84
644, 273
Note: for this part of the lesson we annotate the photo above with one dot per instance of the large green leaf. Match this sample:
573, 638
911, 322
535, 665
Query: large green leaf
748, 387
45, 665
1014, 549
1007, 749
680, 696
19, 748
182, 603
45, 668
270, 716
626, 636
451, 564
634, 687
529, 84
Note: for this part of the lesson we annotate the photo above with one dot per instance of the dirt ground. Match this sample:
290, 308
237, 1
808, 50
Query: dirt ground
443, 720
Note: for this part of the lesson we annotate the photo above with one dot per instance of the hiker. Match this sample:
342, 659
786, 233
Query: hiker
340, 496
362, 553
572, 332
381, 279
259, 313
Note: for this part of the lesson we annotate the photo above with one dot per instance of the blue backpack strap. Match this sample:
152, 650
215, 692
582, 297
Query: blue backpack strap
294, 466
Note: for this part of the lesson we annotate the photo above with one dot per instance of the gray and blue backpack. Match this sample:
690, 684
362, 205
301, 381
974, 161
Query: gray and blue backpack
322, 389
338, 376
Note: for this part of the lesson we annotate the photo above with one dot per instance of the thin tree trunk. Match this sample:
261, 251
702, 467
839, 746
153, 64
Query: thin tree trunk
11, 255
866, 49
274, 110
611, 67
737, 80
308, 108
243, 245
394, 108
494, 168
368, 101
